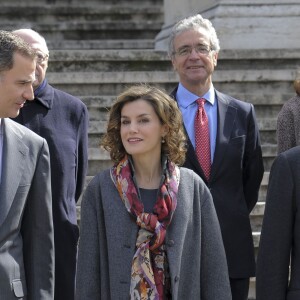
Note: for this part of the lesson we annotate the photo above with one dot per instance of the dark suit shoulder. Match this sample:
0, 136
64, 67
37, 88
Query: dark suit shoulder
67, 99
291, 155
239, 104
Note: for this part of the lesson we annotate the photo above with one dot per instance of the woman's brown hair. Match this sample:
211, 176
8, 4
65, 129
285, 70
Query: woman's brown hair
168, 113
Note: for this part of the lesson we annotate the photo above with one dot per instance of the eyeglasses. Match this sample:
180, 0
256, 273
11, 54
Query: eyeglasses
187, 50
41, 57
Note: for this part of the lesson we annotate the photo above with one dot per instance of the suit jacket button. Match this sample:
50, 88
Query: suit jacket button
176, 279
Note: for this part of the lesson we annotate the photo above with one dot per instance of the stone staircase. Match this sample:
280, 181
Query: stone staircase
100, 47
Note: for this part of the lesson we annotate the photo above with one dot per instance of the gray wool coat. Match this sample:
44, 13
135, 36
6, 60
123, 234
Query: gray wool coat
288, 125
195, 251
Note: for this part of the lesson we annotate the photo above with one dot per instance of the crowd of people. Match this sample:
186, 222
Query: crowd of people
170, 219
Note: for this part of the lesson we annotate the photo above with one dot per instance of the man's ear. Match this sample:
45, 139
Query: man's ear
215, 58
173, 62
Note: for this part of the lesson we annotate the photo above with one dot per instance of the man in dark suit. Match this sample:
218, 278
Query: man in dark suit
26, 227
234, 152
278, 259
63, 121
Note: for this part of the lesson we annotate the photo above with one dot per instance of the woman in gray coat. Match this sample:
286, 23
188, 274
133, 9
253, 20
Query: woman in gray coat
288, 122
149, 229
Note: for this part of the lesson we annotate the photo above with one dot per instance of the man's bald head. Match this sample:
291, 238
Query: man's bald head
38, 43
33, 38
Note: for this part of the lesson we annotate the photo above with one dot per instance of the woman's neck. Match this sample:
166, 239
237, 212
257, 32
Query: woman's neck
147, 173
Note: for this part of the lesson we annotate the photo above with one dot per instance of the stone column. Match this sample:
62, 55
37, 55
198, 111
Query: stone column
174, 10
240, 24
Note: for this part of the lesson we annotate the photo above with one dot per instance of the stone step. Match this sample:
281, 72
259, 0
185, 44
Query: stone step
263, 187
98, 101
259, 58
107, 59
101, 44
38, 13
90, 83
227, 76
267, 124
256, 216
252, 292
259, 100
98, 105
256, 237
80, 2
90, 29
95, 153
259, 54
159, 60
99, 127
98, 123
99, 158
269, 152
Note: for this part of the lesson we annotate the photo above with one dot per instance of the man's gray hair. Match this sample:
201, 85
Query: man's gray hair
10, 44
194, 22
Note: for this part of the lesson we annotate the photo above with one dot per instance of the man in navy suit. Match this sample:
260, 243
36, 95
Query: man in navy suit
63, 121
278, 263
26, 226
236, 165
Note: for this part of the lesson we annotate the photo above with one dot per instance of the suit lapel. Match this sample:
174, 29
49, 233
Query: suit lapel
191, 157
13, 161
226, 119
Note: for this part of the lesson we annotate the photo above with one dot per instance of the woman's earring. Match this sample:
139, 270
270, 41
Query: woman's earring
162, 140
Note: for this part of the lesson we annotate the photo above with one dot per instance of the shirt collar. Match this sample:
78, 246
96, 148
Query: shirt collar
186, 98
43, 95
38, 91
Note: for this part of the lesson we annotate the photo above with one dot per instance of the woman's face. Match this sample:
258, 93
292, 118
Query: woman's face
141, 130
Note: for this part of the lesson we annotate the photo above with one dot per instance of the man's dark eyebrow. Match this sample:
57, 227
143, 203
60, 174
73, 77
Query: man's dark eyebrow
24, 81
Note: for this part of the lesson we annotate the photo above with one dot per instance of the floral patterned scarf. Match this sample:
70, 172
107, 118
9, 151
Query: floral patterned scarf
148, 264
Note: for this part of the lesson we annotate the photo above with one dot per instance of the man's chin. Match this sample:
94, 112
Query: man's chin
13, 114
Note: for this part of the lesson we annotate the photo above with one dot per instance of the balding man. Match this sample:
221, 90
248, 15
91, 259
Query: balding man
26, 227
62, 120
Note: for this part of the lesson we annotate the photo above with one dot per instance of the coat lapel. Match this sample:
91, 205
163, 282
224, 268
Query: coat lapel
226, 119
192, 158
13, 161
